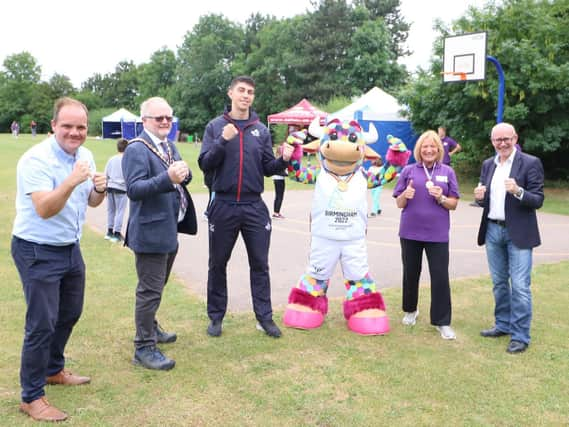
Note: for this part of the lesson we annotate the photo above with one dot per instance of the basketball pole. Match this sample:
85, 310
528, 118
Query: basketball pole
501, 87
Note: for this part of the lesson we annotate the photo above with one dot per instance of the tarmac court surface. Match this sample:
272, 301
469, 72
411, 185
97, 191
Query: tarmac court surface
290, 244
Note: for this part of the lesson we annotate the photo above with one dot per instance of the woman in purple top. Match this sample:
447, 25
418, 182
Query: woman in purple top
426, 192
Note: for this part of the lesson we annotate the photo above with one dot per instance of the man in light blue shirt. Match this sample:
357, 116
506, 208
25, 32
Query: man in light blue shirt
56, 180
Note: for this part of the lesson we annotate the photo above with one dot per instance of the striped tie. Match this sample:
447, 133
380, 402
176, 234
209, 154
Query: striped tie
183, 200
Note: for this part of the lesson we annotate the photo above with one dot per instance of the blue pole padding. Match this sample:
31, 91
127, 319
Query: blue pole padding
501, 87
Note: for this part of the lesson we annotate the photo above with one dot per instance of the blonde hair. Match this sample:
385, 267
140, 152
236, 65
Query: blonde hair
429, 134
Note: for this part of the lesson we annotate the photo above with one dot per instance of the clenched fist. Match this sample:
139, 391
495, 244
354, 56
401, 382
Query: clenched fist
229, 132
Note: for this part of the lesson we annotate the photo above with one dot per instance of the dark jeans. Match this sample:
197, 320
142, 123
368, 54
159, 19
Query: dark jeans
53, 279
279, 194
153, 271
226, 220
438, 259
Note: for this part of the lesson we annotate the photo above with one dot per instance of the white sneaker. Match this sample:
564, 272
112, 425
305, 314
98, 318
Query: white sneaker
446, 332
410, 318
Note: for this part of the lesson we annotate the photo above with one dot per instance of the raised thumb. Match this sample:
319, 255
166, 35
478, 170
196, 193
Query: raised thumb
410, 184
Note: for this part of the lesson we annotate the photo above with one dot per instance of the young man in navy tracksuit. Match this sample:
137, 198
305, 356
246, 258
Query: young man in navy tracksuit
237, 149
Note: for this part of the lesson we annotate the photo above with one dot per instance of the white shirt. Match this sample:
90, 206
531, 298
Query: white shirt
339, 215
498, 187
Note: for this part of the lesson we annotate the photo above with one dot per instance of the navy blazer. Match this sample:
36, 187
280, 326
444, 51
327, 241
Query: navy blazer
154, 201
521, 218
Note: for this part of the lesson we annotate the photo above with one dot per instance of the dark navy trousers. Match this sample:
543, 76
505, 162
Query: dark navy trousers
53, 279
226, 220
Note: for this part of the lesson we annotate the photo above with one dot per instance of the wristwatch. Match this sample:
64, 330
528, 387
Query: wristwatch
520, 192
442, 199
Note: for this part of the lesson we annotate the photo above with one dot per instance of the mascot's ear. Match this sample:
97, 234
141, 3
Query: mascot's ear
371, 136
370, 153
315, 129
312, 146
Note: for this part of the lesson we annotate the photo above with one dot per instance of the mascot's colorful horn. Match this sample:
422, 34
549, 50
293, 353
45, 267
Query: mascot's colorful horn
338, 229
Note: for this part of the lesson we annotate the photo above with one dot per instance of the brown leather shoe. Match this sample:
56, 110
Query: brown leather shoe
41, 410
65, 377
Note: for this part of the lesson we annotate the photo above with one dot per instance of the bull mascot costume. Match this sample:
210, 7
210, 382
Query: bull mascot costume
338, 227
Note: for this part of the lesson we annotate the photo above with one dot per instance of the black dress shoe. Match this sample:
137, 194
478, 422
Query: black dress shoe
214, 328
516, 347
493, 333
270, 328
164, 337
152, 358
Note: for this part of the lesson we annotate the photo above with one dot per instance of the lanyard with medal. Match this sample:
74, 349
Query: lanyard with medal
342, 183
429, 182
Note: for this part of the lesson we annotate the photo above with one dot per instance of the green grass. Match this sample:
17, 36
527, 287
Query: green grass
327, 377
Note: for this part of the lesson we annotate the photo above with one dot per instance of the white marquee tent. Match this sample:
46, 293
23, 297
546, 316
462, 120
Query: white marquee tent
124, 124
385, 112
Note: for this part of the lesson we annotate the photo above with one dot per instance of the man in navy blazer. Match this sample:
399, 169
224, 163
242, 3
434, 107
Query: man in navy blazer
510, 190
160, 207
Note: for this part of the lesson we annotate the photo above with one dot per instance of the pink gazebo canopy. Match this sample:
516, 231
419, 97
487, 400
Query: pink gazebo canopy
301, 114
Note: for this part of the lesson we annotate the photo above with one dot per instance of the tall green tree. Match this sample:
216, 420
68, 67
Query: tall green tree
22, 68
390, 13
124, 86
40, 108
96, 91
371, 60
274, 63
61, 85
18, 79
157, 77
529, 38
205, 62
327, 40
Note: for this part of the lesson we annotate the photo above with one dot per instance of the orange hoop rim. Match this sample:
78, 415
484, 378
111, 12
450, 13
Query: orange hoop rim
456, 73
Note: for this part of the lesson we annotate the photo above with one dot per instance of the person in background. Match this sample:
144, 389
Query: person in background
376, 191
160, 207
510, 190
426, 191
15, 129
34, 127
450, 145
116, 193
56, 181
238, 148
279, 182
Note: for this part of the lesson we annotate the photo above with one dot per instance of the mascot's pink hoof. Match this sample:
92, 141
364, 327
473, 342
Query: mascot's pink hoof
302, 319
369, 325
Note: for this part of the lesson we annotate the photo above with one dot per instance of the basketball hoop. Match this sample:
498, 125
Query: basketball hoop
455, 73
464, 58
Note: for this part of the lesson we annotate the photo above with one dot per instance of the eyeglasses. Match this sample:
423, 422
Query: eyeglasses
160, 119
501, 140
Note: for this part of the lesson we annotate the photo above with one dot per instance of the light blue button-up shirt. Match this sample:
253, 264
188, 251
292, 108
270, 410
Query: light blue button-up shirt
43, 168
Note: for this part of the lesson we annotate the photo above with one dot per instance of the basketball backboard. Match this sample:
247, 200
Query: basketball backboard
464, 57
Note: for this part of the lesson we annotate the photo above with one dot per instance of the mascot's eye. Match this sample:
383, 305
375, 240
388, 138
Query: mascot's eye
352, 137
334, 136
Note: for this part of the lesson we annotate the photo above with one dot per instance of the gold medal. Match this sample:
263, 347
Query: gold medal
429, 184
342, 185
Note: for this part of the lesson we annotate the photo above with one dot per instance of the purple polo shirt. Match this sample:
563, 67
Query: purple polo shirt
423, 219
449, 144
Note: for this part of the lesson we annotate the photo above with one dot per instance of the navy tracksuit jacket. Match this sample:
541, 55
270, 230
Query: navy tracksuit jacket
239, 167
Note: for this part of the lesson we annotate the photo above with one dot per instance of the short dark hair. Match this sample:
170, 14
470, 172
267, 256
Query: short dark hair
242, 79
121, 145
65, 101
